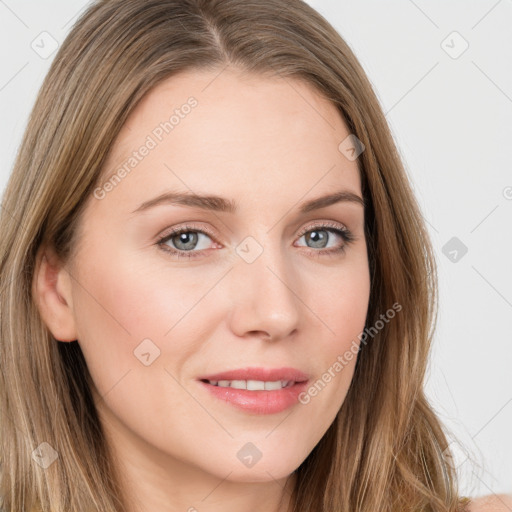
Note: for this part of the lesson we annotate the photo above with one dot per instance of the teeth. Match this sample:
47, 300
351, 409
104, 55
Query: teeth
252, 385
271, 386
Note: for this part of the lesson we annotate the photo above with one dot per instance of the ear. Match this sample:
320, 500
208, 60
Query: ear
52, 293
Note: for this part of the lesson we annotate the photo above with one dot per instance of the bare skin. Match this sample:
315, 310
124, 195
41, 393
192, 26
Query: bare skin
269, 144
491, 503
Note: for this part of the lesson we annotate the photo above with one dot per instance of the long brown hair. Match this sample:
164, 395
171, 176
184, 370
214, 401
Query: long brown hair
386, 449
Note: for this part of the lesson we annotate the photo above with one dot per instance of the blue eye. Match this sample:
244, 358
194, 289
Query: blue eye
186, 238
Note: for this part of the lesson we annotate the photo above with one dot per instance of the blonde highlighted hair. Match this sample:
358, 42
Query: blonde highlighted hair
386, 450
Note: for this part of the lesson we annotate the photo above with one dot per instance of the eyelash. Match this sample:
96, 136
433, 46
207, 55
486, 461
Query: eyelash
343, 232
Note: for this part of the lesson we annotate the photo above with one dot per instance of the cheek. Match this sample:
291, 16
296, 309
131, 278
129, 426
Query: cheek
340, 304
339, 297
122, 302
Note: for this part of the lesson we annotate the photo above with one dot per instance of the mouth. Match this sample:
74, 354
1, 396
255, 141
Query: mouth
257, 390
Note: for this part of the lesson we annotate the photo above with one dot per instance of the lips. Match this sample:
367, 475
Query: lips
242, 388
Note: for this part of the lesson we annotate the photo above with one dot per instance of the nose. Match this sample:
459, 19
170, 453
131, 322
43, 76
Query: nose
265, 300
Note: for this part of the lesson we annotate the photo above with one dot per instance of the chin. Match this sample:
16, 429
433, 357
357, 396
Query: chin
275, 467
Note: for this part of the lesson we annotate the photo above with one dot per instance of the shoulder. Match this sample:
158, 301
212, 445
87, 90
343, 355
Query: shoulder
491, 503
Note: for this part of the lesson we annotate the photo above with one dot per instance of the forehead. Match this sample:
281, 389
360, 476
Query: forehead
215, 131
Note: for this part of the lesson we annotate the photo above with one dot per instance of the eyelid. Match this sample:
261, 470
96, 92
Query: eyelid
323, 224
186, 227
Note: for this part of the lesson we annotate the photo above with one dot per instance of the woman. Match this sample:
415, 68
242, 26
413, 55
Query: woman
218, 289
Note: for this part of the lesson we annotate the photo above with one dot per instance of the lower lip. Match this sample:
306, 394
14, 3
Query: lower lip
259, 402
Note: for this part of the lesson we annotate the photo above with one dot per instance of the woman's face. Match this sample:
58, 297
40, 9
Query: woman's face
264, 285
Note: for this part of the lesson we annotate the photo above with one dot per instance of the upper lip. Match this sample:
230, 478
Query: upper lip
261, 374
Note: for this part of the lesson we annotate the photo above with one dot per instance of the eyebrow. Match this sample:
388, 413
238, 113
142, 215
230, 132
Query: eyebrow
221, 204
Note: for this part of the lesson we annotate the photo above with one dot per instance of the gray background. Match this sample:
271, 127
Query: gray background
450, 112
